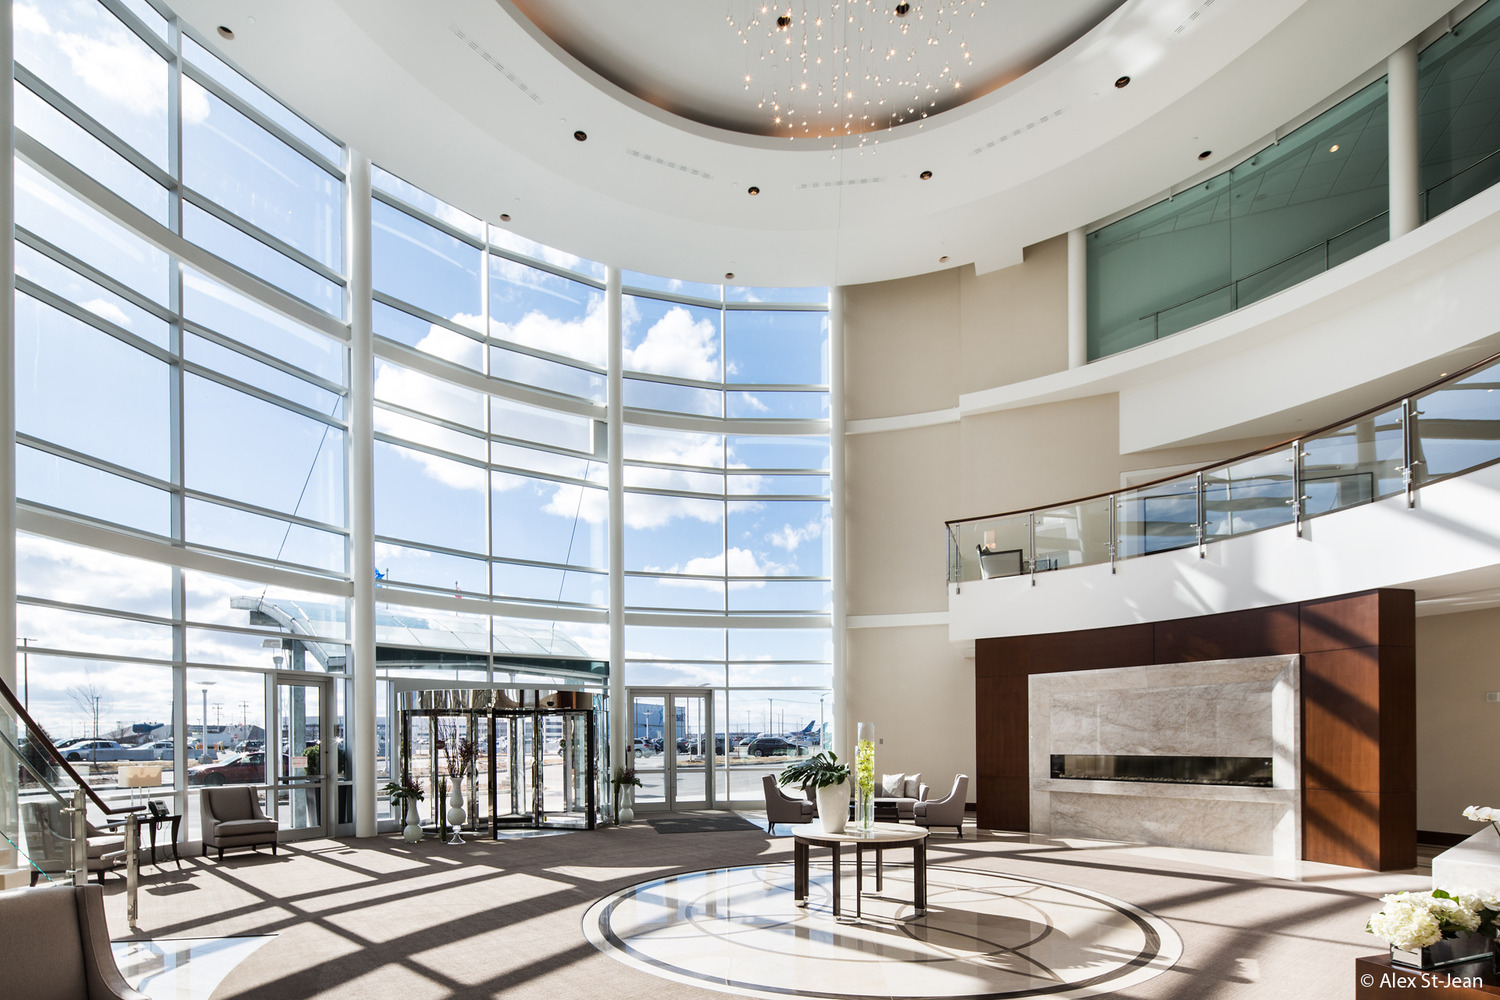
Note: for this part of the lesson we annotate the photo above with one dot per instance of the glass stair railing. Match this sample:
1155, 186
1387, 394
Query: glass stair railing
46, 830
1445, 429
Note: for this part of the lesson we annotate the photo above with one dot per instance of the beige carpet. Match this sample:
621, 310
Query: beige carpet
380, 918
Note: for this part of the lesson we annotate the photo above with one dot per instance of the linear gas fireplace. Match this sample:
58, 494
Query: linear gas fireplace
1203, 755
1253, 772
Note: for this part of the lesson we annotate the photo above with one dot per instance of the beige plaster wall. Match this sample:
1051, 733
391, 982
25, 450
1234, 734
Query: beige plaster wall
1014, 322
918, 689
901, 345
1458, 732
897, 496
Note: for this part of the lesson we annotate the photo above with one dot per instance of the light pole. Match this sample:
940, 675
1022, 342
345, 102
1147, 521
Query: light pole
26, 673
205, 685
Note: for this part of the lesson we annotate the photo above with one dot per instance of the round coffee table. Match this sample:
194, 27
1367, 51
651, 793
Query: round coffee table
880, 837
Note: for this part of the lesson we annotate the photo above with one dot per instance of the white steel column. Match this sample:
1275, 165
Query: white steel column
837, 548
7, 360
1405, 193
362, 490
9, 790
1078, 299
619, 725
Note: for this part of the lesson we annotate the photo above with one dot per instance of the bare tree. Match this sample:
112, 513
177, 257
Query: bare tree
90, 698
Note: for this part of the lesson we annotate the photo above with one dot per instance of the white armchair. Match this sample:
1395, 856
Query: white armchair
945, 812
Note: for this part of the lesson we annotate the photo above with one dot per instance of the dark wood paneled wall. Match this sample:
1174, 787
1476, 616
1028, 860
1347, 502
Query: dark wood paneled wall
1359, 795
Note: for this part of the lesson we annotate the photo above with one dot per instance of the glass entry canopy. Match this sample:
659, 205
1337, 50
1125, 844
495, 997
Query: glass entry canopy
673, 744
302, 784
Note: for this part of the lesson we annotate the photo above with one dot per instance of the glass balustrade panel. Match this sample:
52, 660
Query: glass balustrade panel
1073, 535
1456, 427
992, 547
1250, 495
1156, 518
1353, 464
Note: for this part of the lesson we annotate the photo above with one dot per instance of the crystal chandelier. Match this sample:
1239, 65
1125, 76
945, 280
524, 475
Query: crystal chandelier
821, 68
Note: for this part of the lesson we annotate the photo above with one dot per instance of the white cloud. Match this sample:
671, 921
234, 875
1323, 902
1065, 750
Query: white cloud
789, 537
584, 339
108, 310
742, 562
678, 345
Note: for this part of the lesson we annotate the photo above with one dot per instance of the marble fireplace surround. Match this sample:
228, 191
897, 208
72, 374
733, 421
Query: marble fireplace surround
1224, 708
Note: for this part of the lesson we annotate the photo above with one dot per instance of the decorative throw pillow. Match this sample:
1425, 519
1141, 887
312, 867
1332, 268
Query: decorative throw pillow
913, 786
891, 785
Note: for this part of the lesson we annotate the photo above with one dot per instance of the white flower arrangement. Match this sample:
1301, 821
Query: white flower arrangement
1413, 920
1484, 814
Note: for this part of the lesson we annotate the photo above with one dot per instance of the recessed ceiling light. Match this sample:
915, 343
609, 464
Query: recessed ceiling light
1205, 154
902, 9
728, 275
753, 190
1334, 148
504, 216
926, 175
226, 33
943, 259
1122, 83
581, 135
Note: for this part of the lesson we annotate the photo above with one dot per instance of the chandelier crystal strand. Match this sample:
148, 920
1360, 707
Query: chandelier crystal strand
826, 68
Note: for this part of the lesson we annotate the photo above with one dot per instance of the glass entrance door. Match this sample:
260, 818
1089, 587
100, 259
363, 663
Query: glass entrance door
305, 756
672, 744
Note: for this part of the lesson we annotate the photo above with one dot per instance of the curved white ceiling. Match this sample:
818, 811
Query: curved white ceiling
724, 64
470, 100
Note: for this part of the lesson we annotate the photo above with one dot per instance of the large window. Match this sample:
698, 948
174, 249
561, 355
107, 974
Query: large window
1307, 202
192, 409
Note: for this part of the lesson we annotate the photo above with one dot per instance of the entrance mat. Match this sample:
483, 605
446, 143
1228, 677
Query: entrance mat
702, 824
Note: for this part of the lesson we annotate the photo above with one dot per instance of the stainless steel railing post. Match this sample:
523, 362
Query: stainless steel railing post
79, 826
132, 869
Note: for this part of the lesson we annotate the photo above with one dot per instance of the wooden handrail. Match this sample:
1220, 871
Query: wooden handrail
1269, 449
38, 735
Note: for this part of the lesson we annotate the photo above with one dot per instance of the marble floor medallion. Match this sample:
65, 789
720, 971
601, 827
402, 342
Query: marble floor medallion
985, 934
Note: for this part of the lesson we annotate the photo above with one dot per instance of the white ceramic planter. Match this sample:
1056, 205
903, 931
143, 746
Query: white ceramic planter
412, 832
833, 806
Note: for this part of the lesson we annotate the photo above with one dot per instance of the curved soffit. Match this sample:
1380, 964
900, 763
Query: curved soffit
468, 100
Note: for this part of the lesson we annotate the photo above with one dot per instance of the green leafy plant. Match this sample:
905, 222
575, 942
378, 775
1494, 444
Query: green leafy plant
818, 771
402, 792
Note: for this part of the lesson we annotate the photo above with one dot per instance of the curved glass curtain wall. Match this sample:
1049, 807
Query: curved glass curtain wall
1312, 200
1447, 429
168, 406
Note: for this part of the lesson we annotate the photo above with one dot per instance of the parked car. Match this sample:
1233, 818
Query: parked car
236, 769
765, 746
159, 749
103, 751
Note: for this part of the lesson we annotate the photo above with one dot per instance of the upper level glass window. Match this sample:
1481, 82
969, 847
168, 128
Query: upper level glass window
88, 56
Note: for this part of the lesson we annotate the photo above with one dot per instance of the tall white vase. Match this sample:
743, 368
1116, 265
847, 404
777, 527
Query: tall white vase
833, 807
456, 814
627, 803
412, 832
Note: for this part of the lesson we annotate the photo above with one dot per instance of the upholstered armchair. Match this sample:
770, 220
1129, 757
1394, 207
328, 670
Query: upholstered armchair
232, 817
49, 841
945, 812
783, 808
57, 945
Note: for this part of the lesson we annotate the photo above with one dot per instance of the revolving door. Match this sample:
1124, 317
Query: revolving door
525, 758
